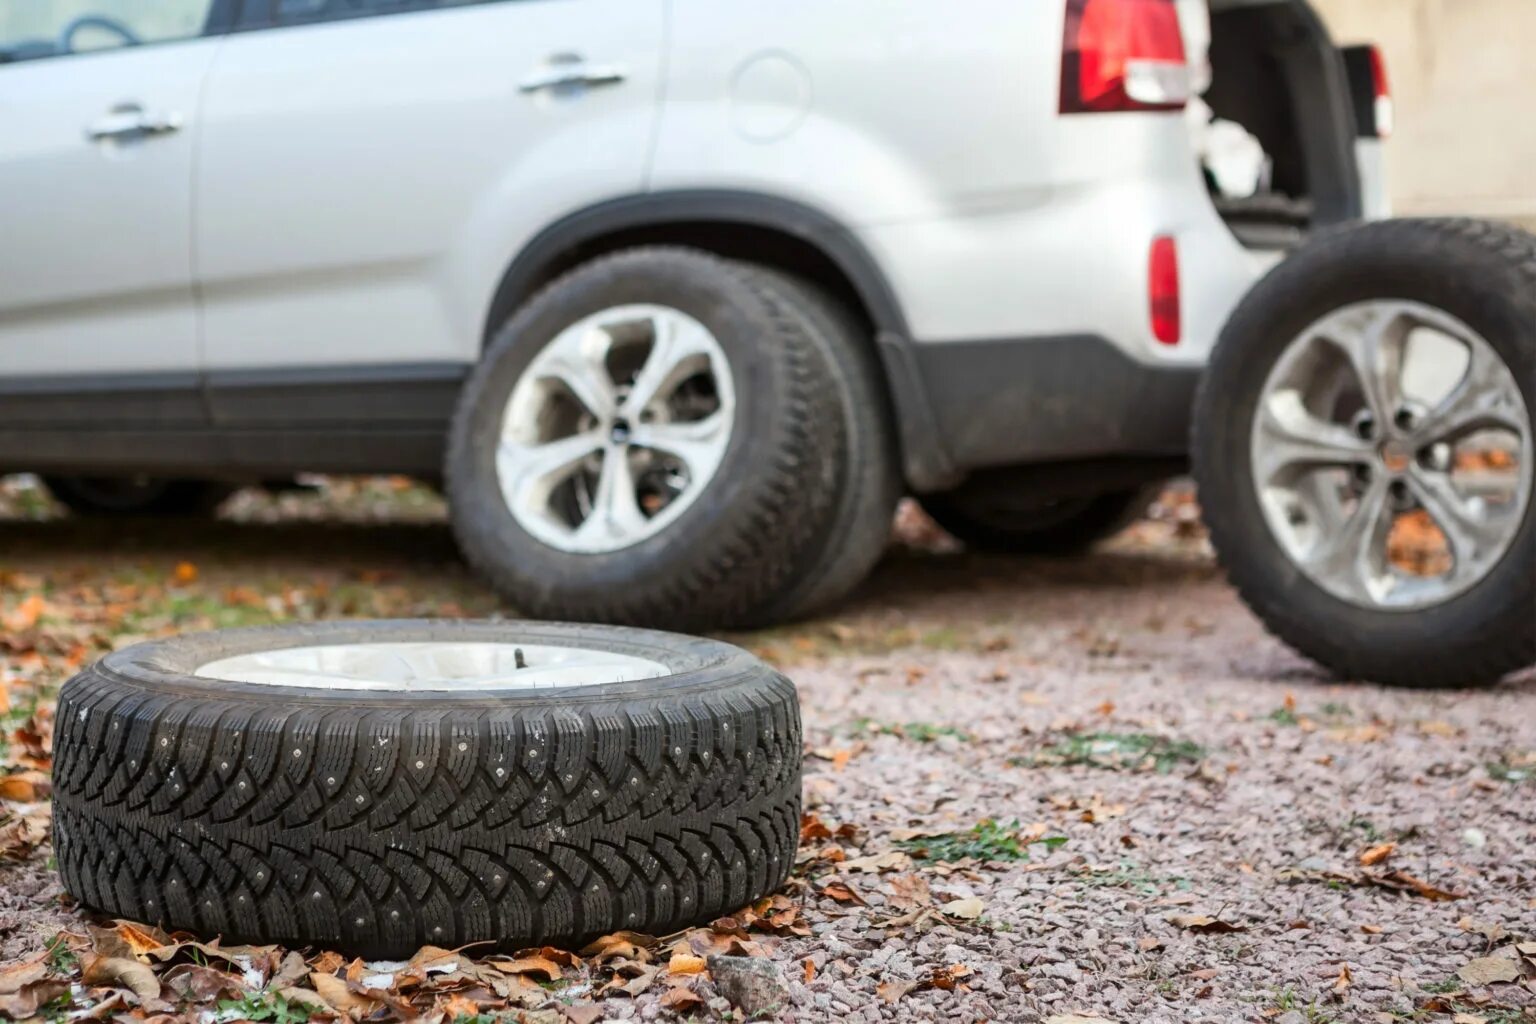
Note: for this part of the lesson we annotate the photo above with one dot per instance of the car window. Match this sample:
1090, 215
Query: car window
35, 29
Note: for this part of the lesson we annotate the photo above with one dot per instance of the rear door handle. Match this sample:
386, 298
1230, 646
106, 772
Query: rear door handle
130, 121
568, 72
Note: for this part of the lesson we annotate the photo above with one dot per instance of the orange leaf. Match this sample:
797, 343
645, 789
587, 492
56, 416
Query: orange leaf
186, 572
530, 965
1377, 854
25, 787
685, 964
25, 615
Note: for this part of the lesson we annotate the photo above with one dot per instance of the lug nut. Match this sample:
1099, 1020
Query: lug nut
1404, 418
1436, 457
1365, 426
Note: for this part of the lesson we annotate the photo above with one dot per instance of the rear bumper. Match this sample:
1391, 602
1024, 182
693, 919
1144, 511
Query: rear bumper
1009, 402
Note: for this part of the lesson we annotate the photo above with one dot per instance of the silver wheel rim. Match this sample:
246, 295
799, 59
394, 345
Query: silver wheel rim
615, 428
1364, 419
432, 667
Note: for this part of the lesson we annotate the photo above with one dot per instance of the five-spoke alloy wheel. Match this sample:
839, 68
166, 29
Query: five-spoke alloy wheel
1365, 453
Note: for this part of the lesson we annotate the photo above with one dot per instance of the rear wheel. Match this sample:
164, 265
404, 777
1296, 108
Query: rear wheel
144, 496
1069, 526
654, 439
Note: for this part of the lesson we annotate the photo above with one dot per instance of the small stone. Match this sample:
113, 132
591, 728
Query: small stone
1475, 838
754, 985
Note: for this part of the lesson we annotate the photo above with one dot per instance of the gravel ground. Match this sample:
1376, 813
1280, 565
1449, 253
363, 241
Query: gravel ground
1194, 801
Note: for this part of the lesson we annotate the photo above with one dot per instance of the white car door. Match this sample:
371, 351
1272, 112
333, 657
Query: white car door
369, 169
99, 103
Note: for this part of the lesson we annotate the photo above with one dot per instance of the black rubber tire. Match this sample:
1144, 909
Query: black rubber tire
859, 530
748, 539
376, 822
149, 498
1480, 272
1063, 528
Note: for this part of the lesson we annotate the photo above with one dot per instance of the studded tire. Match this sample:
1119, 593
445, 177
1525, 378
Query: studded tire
376, 822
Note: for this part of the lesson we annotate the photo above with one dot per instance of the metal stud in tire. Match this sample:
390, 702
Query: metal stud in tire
375, 787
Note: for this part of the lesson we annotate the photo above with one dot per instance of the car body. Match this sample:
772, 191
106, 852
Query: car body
277, 240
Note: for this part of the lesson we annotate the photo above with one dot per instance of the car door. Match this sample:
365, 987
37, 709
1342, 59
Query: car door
99, 104
368, 171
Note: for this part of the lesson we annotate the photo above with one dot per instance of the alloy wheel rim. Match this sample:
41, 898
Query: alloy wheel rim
615, 429
456, 666
1373, 414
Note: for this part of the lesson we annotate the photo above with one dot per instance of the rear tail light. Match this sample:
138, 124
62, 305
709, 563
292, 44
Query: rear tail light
1163, 290
1123, 55
1383, 93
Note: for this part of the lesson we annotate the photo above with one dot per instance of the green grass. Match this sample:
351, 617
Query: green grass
918, 732
61, 959
1506, 769
1119, 752
987, 840
262, 1007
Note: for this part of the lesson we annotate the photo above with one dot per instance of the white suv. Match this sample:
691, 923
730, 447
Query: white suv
678, 296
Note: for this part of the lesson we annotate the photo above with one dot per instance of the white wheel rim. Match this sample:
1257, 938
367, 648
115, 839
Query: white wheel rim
1357, 425
432, 667
615, 428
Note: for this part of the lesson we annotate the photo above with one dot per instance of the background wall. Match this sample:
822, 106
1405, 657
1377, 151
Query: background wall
1463, 76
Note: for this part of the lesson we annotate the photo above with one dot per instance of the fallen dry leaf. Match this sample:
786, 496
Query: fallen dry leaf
964, 910
185, 572
530, 965
679, 1000
893, 860
121, 972
685, 964
1490, 970
339, 995
27, 787
1377, 854
890, 992
1202, 924
842, 892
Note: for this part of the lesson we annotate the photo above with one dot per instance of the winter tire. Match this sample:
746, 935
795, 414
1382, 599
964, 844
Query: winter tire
859, 529
1379, 385
653, 439
375, 787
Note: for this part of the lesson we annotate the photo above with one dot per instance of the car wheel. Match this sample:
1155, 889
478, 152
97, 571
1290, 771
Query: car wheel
1363, 448
129, 497
376, 787
997, 522
859, 528
653, 439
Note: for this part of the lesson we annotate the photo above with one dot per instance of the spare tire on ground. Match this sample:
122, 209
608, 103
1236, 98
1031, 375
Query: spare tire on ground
1365, 446
375, 787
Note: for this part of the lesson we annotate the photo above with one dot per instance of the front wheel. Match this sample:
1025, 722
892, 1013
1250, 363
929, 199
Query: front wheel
652, 440
1363, 448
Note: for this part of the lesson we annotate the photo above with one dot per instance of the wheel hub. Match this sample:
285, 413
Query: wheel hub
615, 428
1369, 415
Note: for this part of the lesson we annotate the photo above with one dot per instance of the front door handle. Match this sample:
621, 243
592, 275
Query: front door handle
567, 71
130, 121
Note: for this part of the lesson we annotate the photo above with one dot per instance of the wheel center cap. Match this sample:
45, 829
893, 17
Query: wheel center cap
1396, 456
619, 432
